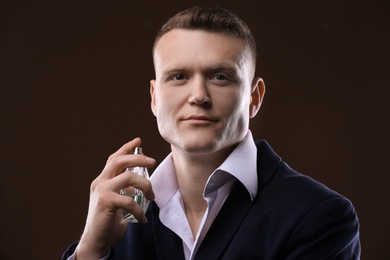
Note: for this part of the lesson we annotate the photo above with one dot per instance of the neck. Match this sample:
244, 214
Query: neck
192, 173
194, 169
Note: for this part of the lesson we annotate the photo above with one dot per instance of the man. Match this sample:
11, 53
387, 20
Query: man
219, 194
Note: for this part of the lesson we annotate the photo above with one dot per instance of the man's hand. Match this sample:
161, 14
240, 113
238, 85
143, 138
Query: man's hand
105, 223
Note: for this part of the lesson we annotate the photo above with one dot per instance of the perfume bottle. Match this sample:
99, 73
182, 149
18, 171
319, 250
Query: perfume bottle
134, 193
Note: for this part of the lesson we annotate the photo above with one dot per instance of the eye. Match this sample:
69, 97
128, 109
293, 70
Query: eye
220, 77
178, 77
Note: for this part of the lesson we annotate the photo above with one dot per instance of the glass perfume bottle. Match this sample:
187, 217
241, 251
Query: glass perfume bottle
134, 193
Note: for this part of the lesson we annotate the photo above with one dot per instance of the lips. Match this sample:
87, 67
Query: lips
199, 118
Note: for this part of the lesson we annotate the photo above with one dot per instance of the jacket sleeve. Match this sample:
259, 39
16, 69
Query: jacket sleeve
72, 249
329, 231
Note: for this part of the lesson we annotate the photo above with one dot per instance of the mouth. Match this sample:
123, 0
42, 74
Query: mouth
200, 119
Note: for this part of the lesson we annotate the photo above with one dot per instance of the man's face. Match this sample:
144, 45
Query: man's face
204, 92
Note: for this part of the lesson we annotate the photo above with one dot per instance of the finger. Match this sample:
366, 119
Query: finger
114, 164
131, 179
128, 203
128, 147
118, 164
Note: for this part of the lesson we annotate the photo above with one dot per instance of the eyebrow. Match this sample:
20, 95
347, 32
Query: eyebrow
226, 67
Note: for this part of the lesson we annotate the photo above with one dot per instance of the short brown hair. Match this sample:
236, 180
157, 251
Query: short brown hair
212, 19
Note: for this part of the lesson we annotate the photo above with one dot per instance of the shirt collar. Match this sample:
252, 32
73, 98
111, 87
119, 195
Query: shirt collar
164, 181
241, 164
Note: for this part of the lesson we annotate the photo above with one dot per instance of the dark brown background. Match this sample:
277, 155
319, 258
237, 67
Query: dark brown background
74, 82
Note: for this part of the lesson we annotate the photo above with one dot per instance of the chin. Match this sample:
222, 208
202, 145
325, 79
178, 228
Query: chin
199, 148
197, 142
194, 144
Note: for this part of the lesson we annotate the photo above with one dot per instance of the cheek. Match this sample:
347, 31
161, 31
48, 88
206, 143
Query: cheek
163, 105
234, 103
237, 114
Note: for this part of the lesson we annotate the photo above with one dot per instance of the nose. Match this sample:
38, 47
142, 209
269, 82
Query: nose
199, 93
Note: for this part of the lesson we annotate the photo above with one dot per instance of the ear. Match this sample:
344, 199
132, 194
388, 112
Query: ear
153, 96
257, 95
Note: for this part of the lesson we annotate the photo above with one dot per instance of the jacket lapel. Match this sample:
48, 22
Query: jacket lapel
237, 206
168, 244
225, 224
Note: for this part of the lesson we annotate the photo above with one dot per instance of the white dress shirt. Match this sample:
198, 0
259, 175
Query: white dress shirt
240, 165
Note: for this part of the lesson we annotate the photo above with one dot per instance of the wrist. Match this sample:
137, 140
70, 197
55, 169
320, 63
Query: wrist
86, 251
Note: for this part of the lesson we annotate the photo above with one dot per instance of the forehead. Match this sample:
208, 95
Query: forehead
183, 47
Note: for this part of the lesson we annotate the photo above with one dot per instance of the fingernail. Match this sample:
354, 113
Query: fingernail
150, 159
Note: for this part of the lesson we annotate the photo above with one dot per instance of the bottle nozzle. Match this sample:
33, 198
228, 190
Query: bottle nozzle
138, 150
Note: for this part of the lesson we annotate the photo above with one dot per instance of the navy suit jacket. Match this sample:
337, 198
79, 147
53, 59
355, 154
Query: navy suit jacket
292, 217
